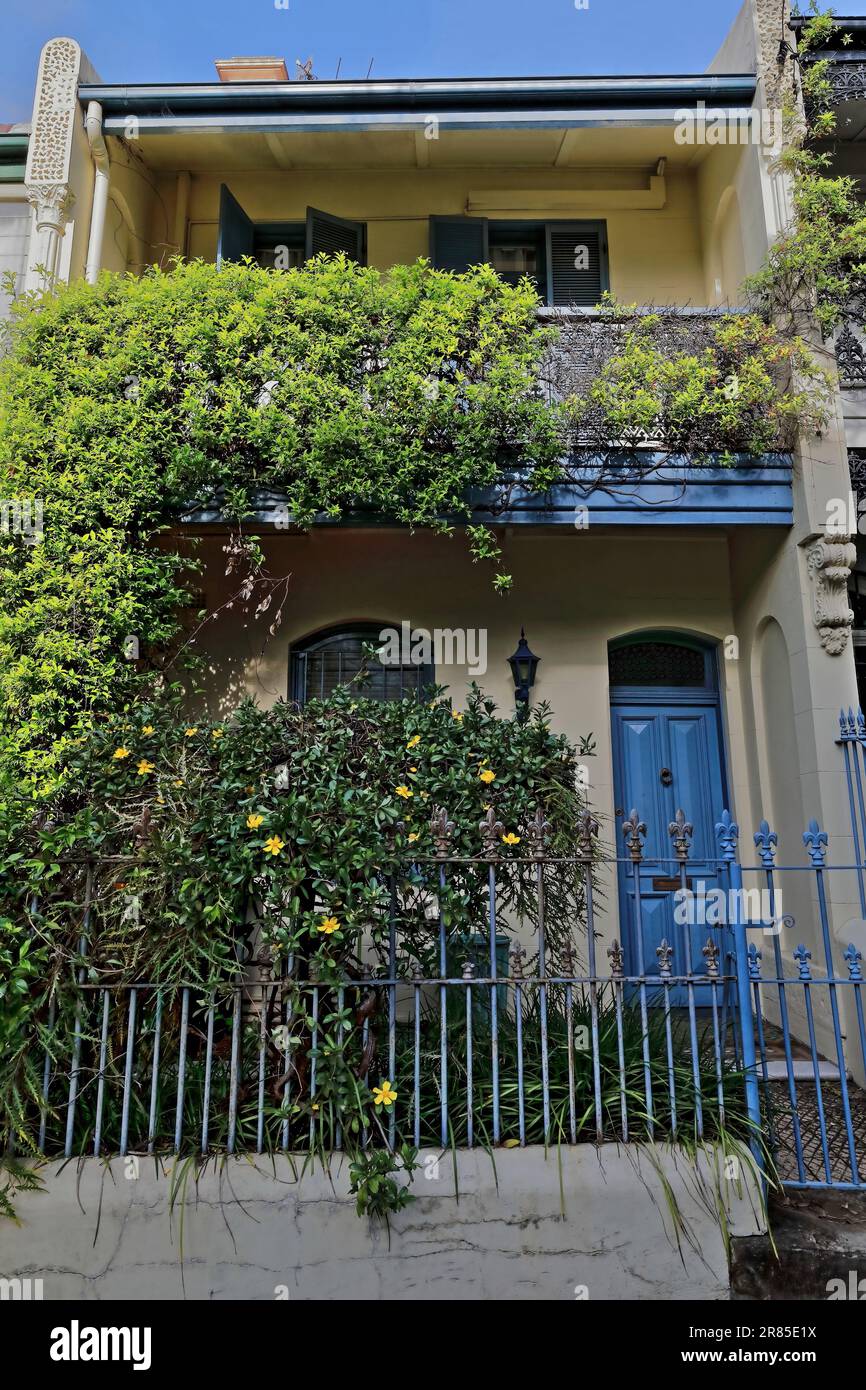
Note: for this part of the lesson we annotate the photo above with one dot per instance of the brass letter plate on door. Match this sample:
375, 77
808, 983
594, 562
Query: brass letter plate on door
670, 885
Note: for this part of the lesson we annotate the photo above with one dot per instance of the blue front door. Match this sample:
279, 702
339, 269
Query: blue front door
668, 757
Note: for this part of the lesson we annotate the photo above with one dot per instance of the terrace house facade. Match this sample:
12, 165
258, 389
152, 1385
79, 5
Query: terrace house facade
695, 620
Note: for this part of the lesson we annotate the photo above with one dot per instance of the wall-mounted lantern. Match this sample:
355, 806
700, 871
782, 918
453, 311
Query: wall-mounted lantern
524, 664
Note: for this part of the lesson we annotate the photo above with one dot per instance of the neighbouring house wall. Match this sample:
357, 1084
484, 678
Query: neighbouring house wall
582, 1224
16, 217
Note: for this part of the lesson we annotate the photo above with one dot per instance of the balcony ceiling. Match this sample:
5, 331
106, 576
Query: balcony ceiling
564, 148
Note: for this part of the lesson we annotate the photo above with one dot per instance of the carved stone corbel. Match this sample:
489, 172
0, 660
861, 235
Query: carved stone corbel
830, 563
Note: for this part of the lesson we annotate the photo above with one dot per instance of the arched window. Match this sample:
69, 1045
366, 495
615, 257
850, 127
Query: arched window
327, 659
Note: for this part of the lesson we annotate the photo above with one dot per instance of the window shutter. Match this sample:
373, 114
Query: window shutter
236, 232
576, 264
456, 243
332, 234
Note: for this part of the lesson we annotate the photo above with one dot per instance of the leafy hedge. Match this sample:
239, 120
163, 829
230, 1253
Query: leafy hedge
295, 825
124, 403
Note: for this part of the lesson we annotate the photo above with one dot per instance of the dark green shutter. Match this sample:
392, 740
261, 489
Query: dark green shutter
236, 232
566, 283
456, 243
332, 234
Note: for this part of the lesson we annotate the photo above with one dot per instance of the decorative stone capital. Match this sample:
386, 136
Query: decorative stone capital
52, 202
830, 563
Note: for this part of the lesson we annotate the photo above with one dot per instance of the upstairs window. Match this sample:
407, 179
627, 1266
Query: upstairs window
284, 245
328, 659
567, 260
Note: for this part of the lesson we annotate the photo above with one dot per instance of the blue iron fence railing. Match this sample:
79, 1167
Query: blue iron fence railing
756, 1036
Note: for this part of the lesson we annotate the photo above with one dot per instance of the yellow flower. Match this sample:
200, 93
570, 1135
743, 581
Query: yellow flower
253, 822
511, 838
413, 742
144, 767
160, 801
424, 796
148, 729
190, 733
413, 769
455, 714
404, 792
413, 837
120, 753
487, 776
315, 1107
384, 1095
178, 782
329, 926
274, 845
216, 733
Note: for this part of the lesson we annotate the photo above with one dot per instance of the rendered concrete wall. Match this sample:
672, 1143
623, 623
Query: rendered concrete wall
252, 1232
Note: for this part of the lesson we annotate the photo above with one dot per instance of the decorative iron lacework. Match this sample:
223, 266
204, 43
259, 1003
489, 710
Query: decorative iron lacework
850, 357
848, 80
657, 663
857, 469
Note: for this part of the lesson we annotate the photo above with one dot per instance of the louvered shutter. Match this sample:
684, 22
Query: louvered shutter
456, 243
331, 234
576, 263
236, 232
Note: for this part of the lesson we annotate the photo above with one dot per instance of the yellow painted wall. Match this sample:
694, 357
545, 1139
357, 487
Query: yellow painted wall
655, 254
574, 593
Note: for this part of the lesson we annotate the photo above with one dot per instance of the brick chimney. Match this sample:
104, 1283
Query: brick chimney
251, 69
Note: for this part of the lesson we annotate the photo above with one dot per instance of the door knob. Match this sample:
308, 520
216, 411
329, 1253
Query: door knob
666, 777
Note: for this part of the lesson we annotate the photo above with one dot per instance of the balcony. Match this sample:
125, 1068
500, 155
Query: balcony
637, 481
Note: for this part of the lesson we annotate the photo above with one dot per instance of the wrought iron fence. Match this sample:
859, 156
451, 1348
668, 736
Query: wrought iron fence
529, 1031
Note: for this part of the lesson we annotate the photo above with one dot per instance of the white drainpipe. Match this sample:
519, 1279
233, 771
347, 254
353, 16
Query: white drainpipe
96, 140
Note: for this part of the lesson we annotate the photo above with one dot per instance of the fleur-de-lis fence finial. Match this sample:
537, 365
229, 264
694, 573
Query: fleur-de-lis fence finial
442, 830
634, 830
665, 952
766, 841
617, 962
681, 832
802, 957
816, 842
537, 833
587, 837
492, 831
727, 834
710, 953
517, 955
754, 962
853, 958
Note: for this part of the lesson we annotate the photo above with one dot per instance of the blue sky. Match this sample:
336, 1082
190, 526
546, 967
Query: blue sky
177, 40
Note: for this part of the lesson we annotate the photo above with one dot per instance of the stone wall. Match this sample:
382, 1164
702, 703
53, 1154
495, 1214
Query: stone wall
586, 1224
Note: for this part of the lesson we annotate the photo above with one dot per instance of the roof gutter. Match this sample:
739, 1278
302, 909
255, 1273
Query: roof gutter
321, 105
